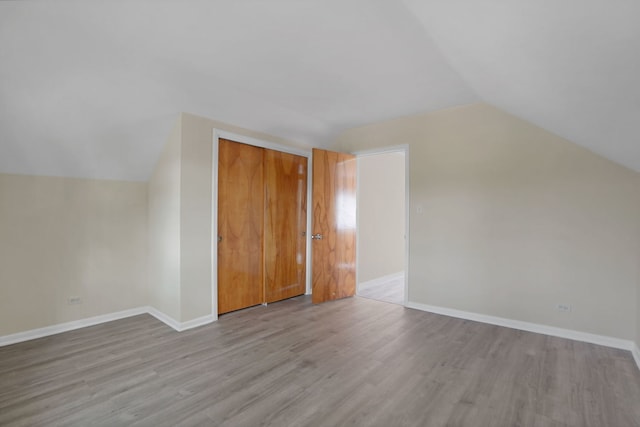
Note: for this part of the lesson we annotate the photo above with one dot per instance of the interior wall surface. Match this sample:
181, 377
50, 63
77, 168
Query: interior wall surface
509, 220
70, 249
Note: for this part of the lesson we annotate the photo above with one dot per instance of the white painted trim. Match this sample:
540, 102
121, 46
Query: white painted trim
69, 326
527, 326
214, 224
635, 351
217, 134
200, 321
400, 148
180, 326
167, 320
380, 281
204, 320
96, 320
407, 222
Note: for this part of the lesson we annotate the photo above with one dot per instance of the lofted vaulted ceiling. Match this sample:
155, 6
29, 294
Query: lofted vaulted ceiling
91, 88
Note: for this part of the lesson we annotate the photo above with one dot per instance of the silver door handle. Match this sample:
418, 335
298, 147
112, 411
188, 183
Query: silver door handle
316, 236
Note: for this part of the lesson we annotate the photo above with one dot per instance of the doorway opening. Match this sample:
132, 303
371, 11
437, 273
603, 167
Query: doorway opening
382, 225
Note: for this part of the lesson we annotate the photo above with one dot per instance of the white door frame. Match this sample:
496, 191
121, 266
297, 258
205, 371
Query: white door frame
403, 148
217, 134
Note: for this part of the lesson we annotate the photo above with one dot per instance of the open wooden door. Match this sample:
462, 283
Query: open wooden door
334, 226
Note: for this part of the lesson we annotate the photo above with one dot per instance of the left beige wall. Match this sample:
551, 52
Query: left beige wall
164, 228
62, 237
117, 245
180, 218
196, 209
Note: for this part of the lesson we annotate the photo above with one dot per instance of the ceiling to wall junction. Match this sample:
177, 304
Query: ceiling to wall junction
91, 89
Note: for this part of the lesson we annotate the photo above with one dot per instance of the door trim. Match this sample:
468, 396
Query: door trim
402, 148
217, 134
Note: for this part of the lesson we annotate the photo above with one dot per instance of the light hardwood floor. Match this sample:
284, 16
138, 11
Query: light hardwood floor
390, 291
350, 362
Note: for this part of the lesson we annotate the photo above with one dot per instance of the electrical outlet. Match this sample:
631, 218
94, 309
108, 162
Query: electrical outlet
74, 300
565, 308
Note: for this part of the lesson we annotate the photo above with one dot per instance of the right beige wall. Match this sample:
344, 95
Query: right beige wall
638, 325
509, 220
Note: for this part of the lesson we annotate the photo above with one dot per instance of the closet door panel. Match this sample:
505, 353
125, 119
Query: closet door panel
240, 226
285, 225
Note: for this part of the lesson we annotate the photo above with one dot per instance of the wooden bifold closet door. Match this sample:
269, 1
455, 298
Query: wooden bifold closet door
240, 225
262, 202
285, 225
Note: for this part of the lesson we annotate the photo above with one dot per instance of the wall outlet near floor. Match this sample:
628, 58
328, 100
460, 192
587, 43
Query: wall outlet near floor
565, 308
74, 300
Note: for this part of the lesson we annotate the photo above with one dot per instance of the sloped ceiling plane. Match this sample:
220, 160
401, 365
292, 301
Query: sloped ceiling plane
91, 89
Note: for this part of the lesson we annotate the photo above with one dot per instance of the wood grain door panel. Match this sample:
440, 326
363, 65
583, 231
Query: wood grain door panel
334, 219
240, 226
285, 225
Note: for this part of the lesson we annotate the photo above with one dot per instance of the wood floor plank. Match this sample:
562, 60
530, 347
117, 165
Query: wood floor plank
354, 361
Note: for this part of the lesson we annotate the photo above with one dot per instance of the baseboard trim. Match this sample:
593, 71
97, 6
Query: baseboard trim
636, 354
380, 280
164, 318
69, 326
204, 320
200, 321
530, 327
96, 320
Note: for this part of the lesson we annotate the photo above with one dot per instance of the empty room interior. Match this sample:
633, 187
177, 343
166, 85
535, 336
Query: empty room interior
320, 213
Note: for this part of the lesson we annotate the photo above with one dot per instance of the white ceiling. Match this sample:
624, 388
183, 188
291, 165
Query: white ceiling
91, 89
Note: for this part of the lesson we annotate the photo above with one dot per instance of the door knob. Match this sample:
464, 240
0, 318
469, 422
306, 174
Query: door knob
316, 236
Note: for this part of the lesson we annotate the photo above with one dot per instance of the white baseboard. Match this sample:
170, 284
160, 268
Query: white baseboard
530, 327
69, 326
380, 280
636, 354
166, 319
200, 321
91, 321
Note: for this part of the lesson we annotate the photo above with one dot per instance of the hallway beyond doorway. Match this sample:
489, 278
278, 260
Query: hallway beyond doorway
382, 224
388, 289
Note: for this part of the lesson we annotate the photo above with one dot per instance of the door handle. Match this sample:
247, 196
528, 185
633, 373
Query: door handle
316, 236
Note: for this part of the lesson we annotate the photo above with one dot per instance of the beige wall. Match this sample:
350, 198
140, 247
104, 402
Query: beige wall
638, 318
62, 237
381, 215
195, 210
196, 218
515, 220
164, 228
